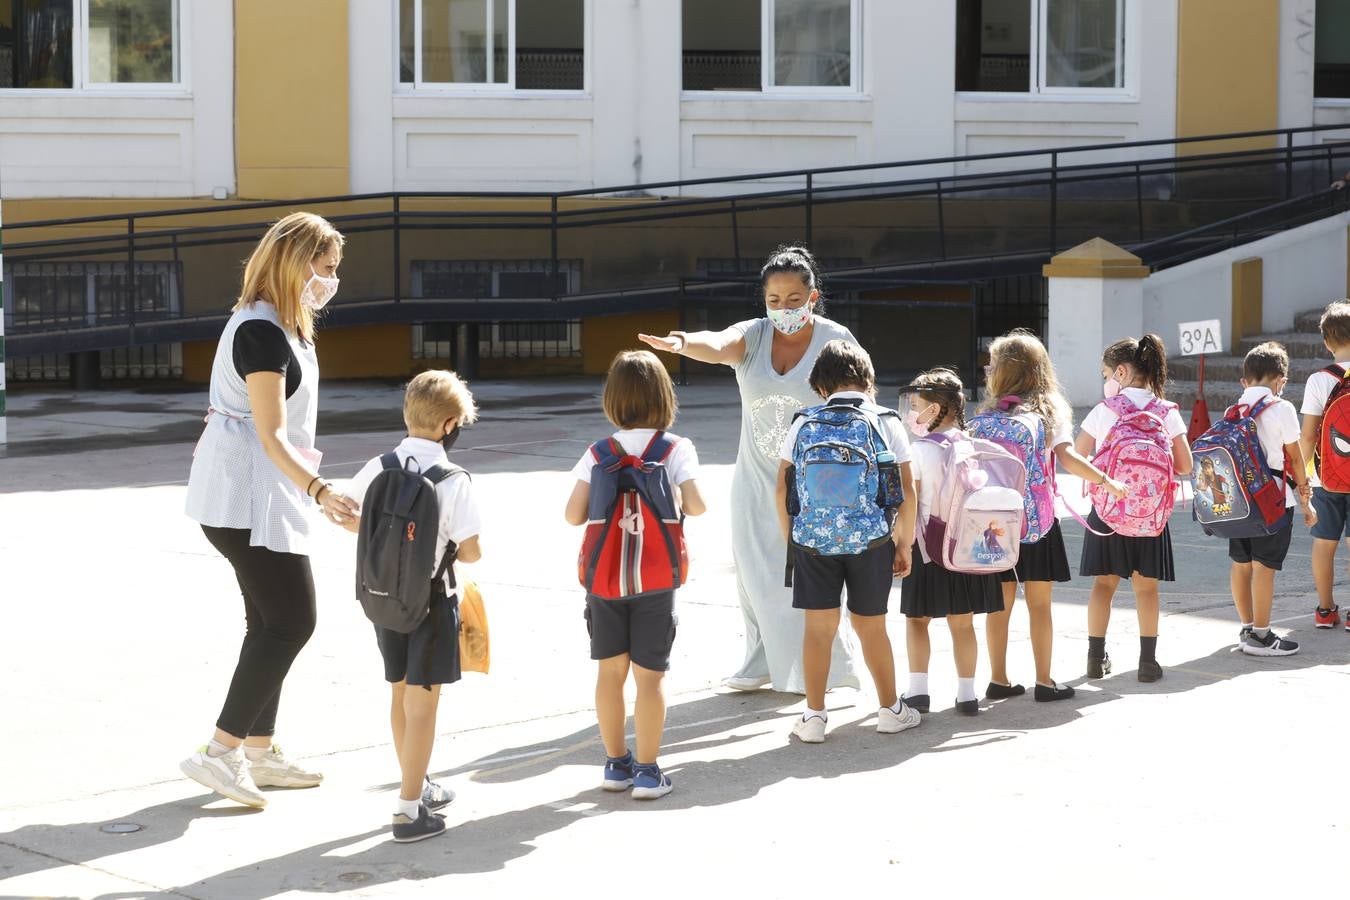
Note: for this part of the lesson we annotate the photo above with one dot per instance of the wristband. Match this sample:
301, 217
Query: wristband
325, 486
310, 487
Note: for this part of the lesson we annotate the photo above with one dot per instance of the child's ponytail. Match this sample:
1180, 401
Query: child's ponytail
1147, 356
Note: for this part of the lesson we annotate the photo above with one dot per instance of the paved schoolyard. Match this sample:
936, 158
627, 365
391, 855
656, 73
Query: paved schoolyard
121, 626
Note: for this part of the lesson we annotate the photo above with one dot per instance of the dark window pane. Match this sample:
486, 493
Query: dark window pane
446, 284
1331, 67
993, 45
722, 45
407, 32
531, 284
535, 331
550, 45
35, 43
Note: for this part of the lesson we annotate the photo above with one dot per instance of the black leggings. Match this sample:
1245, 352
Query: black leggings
278, 591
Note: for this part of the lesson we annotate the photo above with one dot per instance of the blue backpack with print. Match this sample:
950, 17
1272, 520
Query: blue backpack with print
844, 485
1237, 494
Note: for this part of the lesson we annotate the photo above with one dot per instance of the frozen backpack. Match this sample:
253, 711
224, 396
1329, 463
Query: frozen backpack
1331, 455
975, 524
1137, 451
844, 484
1002, 426
634, 542
1237, 494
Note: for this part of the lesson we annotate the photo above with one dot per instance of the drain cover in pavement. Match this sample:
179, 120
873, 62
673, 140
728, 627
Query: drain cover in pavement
120, 828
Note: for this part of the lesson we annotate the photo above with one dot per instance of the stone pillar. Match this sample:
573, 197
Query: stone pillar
1096, 297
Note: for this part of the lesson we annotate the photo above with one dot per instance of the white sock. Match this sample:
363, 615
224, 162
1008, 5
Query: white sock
1260, 632
965, 689
899, 705
409, 808
255, 754
1247, 625
918, 684
824, 716
215, 748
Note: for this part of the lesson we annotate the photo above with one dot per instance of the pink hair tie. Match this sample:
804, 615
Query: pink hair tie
1009, 402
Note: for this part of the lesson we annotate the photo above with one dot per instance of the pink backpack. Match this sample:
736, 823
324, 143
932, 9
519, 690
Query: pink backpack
975, 524
1137, 450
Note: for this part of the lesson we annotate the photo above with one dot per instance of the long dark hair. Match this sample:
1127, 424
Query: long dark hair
799, 261
1147, 356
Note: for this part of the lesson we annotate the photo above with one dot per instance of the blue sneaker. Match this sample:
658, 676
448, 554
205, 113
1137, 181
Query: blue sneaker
618, 773
650, 783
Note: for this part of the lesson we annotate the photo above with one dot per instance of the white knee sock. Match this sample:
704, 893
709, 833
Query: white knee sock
965, 689
918, 684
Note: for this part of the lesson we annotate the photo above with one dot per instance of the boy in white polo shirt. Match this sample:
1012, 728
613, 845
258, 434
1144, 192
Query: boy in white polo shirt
1333, 522
1265, 372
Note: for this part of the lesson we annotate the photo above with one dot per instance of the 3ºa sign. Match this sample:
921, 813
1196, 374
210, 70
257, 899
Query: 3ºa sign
1200, 337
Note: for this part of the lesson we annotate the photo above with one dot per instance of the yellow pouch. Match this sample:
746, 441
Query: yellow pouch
475, 648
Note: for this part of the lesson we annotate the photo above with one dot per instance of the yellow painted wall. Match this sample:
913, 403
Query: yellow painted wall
1228, 54
198, 357
370, 351
605, 336
291, 98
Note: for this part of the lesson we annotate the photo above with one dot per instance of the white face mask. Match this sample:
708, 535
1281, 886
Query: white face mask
318, 290
790, 321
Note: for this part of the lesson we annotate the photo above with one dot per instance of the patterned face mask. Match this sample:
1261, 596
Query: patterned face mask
318, 291
790, 321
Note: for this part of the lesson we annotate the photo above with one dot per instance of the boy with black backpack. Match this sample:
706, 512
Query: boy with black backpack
847, 508
632, 492
418, 517
1326, 441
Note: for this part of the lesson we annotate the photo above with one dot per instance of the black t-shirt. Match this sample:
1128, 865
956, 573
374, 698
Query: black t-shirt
260, 346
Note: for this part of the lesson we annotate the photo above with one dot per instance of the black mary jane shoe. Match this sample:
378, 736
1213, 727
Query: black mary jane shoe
1099, 668
968, 707
1149, 670
997, 691
918, 703
1049, 693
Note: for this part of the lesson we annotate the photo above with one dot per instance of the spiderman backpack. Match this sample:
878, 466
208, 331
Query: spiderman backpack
634, 541
1331, 455
1237, 494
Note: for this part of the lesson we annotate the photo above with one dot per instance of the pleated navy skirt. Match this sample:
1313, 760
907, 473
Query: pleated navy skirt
1125, 556
931, 591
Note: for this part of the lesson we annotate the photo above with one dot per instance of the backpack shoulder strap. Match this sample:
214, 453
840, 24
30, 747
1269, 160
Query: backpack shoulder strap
604, 452
660, 447
438, 473
390, 460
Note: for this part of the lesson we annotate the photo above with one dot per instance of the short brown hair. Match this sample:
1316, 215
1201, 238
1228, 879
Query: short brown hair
842, 364
435, 396
639, 392
1268, 360
1335, 324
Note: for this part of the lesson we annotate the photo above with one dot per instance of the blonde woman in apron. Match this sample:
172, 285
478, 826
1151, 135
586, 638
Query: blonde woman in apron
255, 485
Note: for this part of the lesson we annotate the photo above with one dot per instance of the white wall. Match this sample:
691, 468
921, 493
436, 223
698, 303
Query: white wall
1302, 269
634, 124
128, 144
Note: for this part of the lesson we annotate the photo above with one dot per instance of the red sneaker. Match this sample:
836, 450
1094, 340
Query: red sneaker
1328, 618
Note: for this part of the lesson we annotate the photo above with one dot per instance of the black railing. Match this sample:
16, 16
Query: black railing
909, 219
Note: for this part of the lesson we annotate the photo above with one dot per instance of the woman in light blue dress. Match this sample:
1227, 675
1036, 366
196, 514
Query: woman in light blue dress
772, 356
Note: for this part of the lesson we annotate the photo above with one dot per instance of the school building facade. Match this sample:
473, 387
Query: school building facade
112, 107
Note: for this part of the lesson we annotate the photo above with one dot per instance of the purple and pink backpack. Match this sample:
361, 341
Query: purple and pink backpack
1137, 451
1003, 427
976, 521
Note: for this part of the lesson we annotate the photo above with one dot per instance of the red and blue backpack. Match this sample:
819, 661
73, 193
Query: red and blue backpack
634, 541
1237, 494
1331, 453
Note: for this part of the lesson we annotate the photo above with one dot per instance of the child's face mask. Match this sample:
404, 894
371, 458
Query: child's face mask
920, 420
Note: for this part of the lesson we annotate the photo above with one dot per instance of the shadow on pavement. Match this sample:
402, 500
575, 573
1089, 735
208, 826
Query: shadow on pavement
721, 722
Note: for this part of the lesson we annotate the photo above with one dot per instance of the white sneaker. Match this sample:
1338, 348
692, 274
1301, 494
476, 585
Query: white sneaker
745, 682
810, 730
275, 770
889, 721
227, 775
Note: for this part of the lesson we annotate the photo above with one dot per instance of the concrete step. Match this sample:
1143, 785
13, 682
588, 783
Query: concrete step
1300, 344
1220, 394
1229, 368
1308, 321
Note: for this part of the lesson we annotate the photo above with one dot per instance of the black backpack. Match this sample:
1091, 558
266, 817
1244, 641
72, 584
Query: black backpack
397, 572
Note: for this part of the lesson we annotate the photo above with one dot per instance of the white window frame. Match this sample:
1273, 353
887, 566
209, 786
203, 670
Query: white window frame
1127, 27
767, 56
420, 86
80, 66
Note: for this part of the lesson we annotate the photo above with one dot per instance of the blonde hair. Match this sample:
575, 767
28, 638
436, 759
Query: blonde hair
639, 392
279, 267
1020, 366
435, 396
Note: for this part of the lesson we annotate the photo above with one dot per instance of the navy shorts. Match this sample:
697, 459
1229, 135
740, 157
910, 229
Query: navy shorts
429, 654
1332, 521
1268, 550
818, 581
643, 627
